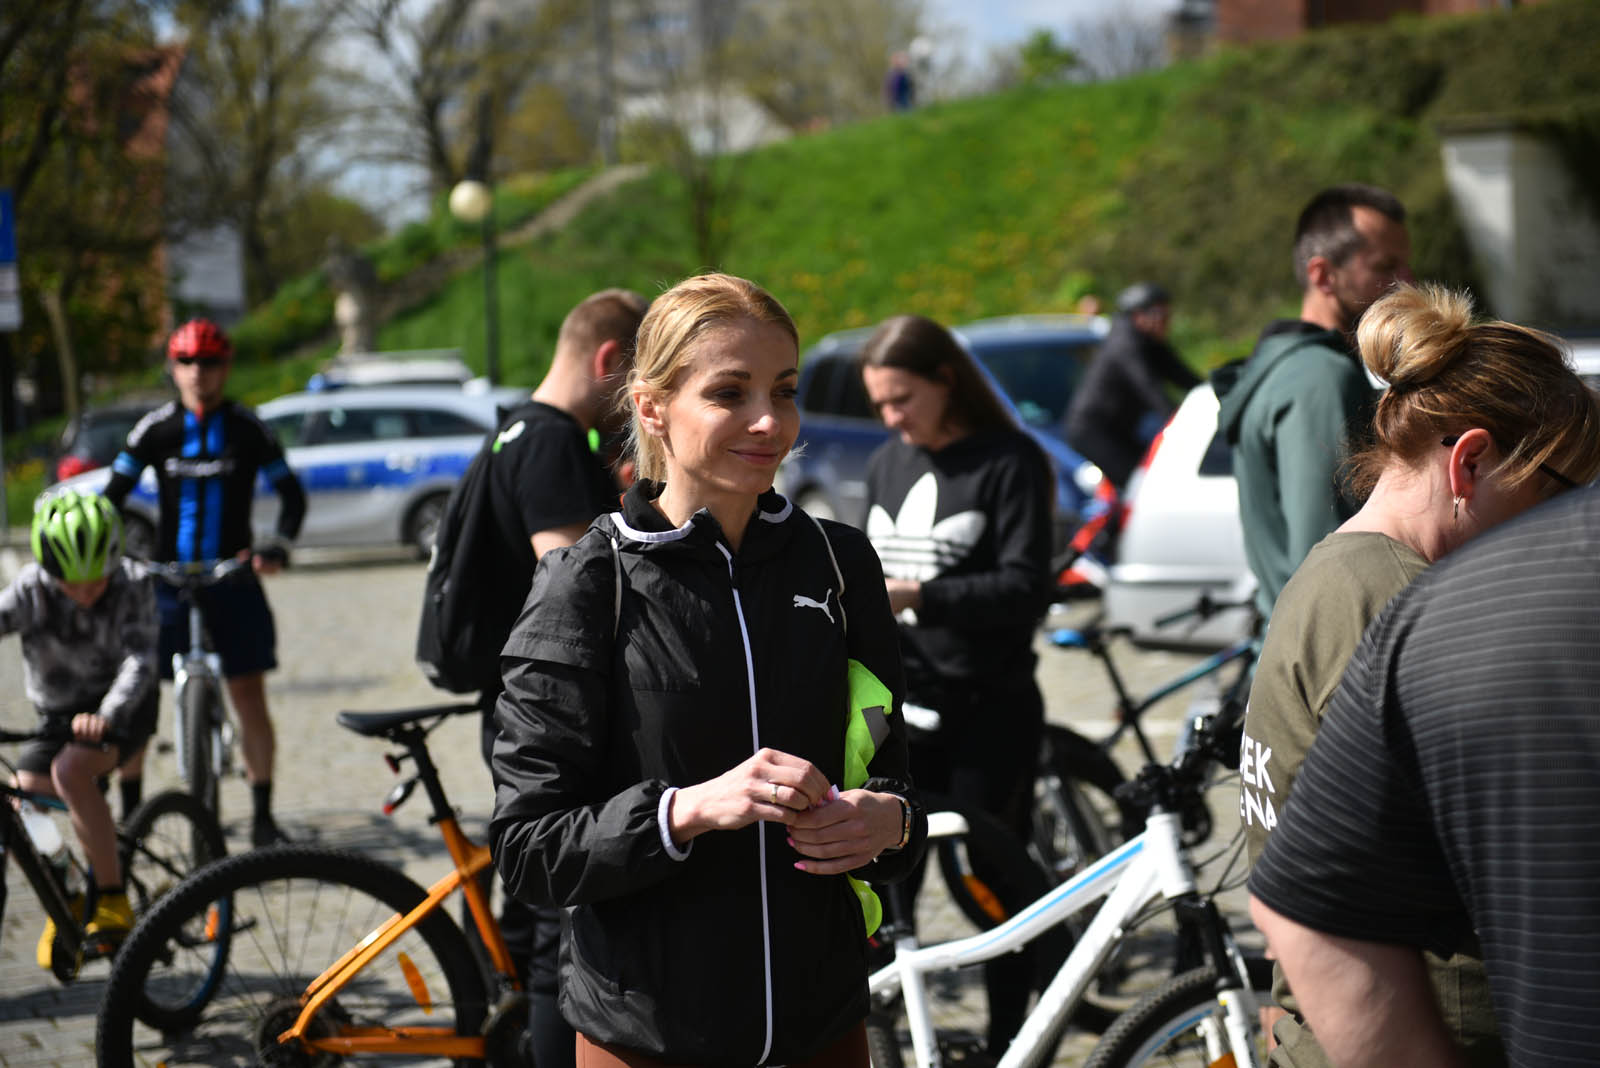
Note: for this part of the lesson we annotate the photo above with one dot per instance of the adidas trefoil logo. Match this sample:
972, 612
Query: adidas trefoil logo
911, 545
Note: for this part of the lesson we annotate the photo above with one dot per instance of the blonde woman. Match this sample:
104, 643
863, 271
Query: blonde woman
672, 734
1481, 421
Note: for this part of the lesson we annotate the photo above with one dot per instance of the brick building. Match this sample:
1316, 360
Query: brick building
1240, 21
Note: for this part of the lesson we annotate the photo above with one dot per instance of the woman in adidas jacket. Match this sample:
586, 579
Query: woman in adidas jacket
960, 512
673, 725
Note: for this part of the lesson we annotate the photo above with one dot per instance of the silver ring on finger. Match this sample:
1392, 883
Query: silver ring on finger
774, 791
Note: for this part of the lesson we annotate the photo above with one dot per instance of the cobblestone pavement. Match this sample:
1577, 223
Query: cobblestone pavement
346, 623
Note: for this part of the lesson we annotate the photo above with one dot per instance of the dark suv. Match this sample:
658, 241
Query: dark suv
1035, 361
94, 437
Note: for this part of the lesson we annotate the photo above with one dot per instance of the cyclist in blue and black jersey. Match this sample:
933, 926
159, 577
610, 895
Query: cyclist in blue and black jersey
206, 451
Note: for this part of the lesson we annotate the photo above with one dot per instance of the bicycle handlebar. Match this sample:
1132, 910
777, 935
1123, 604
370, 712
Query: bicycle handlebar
1206, 607
1173, 786
198, 574
52, 732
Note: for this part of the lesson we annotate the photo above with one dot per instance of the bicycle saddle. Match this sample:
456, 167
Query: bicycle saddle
373, 724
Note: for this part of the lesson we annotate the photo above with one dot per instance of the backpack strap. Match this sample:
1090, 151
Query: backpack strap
616, 597
844, 620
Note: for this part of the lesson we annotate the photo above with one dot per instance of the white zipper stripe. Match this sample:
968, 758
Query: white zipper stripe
761, 831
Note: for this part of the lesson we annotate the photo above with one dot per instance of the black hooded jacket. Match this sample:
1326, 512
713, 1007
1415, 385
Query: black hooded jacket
722, 953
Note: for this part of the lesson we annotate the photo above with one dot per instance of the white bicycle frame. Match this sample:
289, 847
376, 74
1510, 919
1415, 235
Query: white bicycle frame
186, 665
1136, 873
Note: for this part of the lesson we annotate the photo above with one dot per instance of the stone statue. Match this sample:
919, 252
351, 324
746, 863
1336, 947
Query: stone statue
355, 309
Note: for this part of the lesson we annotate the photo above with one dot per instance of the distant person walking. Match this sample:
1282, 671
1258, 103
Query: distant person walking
899, 91
1290, 412
1122, 401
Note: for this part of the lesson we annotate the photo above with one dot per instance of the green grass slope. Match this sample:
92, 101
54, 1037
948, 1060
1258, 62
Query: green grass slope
1021, 201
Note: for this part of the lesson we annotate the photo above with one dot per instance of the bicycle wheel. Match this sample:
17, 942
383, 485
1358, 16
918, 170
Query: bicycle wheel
202, 717
167, 838
989, 877
295, 911
1180, 1022
1076, 818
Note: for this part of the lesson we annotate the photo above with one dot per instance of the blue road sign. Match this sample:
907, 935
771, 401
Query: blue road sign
10, 292
8, 229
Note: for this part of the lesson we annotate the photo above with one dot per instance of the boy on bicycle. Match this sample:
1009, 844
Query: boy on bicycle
88, 624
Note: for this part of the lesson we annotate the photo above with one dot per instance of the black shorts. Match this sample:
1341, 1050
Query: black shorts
39, 755
237, 618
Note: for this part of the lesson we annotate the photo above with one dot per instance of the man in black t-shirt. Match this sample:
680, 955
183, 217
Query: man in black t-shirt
548, 480
1451, 794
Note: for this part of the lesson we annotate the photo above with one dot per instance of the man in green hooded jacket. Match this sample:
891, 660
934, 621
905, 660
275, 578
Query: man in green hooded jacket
1291, 410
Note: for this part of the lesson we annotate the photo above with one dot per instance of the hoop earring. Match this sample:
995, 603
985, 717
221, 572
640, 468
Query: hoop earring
1455, 512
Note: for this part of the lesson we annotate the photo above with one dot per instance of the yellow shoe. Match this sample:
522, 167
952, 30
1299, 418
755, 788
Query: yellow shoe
113, 918
47, 940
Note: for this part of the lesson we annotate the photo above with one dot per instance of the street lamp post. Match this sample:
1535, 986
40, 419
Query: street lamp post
472, 201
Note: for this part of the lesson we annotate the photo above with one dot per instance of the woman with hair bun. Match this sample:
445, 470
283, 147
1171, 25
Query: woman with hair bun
1481, 421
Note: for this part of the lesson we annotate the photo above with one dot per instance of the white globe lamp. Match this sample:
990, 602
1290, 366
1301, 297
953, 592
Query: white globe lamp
471, 200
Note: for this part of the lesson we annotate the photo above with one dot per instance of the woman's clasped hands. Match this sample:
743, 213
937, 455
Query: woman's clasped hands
834, 831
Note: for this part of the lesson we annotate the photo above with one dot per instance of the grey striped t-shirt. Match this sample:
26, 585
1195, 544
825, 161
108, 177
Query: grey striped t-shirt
1455, 784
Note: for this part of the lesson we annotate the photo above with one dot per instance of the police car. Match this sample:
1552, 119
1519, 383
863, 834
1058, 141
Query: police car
377, 464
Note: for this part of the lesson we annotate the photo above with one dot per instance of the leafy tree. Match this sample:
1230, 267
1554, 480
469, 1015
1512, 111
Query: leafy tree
82, 86
257, 122
1045, 60
322, 219
428, 67
1116, 45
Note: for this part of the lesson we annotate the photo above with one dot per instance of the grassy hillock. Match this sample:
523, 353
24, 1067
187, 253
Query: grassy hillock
1022, 201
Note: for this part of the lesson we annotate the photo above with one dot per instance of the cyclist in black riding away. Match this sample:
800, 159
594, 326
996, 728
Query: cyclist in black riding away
206, 452
87, 621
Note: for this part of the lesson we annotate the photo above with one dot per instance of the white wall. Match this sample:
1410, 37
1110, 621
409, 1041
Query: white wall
1535, 237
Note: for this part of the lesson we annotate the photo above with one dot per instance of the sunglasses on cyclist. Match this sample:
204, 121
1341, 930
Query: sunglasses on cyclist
1566, 483
203, 361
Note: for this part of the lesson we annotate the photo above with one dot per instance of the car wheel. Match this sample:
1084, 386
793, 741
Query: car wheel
815, 503
138, 538
422, 526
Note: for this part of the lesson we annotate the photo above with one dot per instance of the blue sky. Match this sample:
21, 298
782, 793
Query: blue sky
990, 23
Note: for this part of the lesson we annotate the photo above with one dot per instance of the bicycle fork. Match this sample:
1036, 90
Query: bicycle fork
203, 669
1235, 1038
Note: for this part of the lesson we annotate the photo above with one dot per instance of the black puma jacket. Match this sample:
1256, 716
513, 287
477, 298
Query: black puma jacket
722, 953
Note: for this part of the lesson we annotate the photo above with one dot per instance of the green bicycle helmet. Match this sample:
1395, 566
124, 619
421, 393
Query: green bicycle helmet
77, 537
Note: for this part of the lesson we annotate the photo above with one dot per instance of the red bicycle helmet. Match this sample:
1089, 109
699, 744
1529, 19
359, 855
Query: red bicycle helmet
200, 338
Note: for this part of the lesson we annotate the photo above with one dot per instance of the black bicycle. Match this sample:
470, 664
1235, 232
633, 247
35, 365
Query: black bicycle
1082, 811
1078, 816
158, 844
